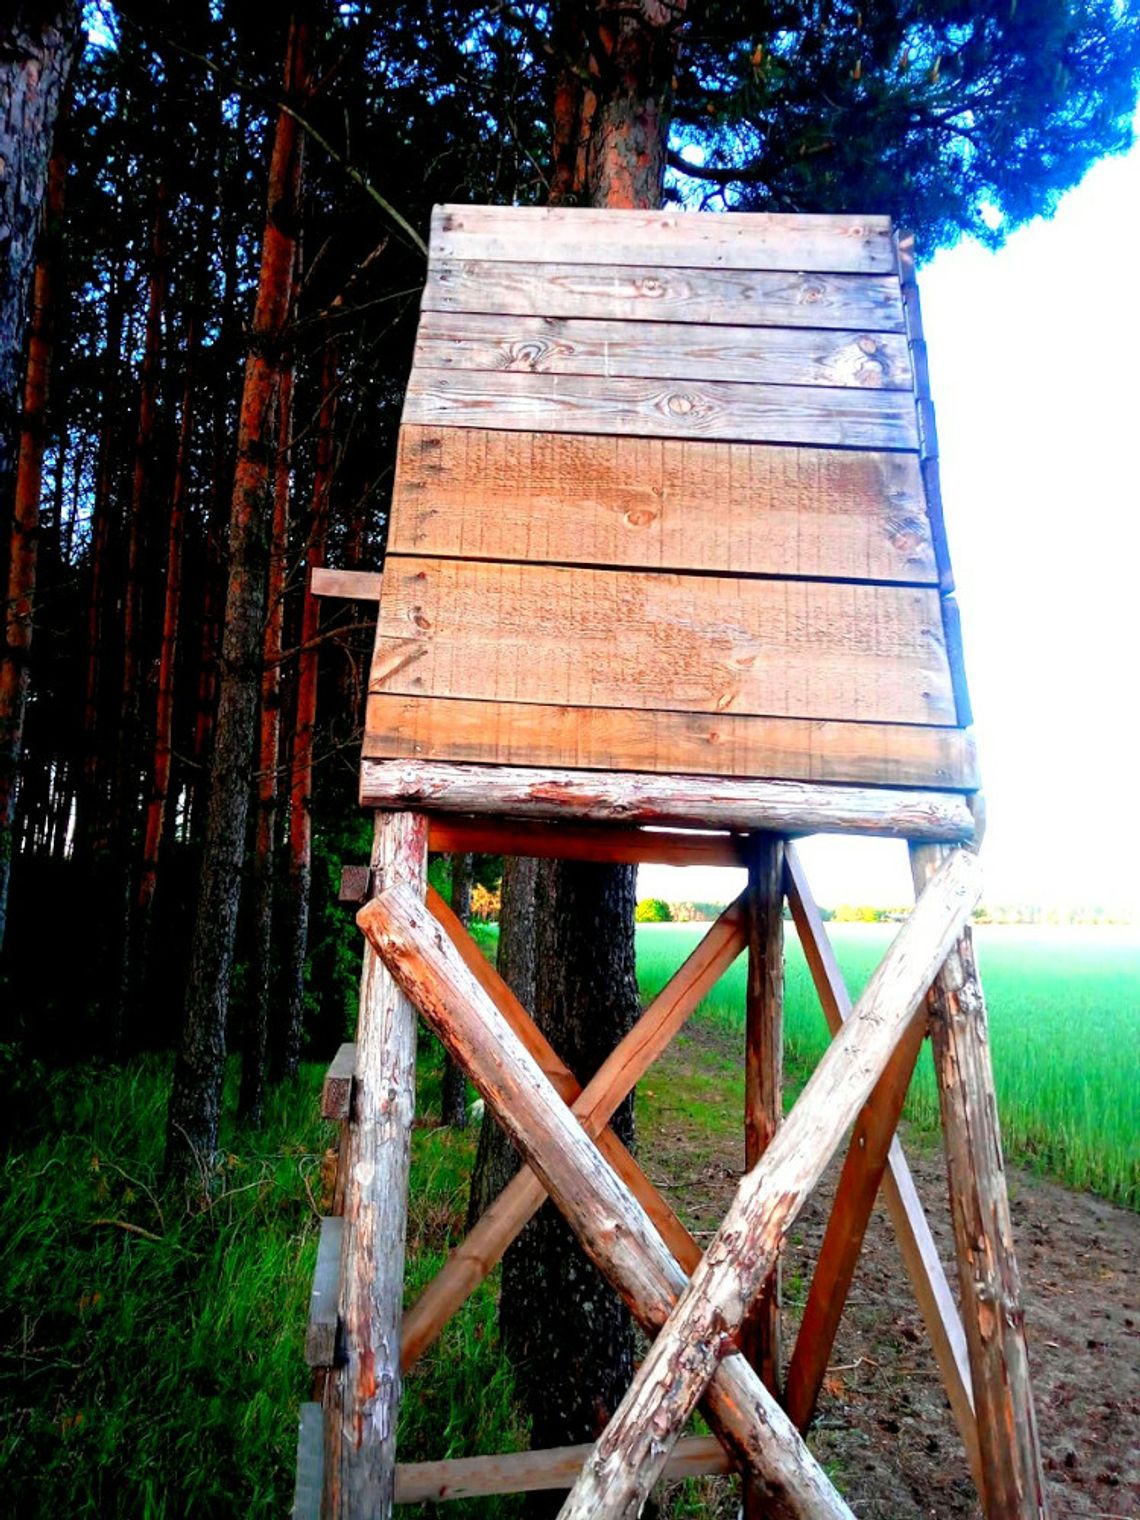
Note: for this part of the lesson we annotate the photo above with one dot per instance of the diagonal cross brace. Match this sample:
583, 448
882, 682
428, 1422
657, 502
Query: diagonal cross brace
612, 1226
634, 1446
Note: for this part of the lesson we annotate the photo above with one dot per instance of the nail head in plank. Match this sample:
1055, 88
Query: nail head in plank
663, 350
321, 1335
785, 807
669, 743
719, 409
661, 504
732, 240
309, 1485
336, 1094
646, 293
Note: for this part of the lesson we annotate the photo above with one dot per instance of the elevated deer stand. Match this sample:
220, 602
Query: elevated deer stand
666, 555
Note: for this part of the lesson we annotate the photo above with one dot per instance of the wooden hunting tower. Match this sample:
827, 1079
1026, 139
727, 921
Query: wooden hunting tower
666, 554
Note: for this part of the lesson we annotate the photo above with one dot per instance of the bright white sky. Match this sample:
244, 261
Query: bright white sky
1035, 370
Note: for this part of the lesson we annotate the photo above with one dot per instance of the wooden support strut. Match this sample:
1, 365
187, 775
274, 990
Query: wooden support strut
612, 1227
1013, 1486
916, 1243
629, 1455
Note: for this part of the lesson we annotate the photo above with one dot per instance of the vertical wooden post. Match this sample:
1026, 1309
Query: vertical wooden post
376, 1204
1012, 1481
763, 1089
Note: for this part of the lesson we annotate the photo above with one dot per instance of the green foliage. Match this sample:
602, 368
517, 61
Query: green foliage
653, 910
1063, 1025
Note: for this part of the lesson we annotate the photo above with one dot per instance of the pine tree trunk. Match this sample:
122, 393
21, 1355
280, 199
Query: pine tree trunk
567, 1331
287, 1044
37, 47
195, 1099
454, 1096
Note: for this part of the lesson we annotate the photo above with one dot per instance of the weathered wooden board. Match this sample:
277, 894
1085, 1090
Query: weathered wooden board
336, 1092
661, 504
649, 292
320, 1336
663, 350
700, 744
604, 638
309, 1482
353, 585
454, 835
862, 419
733, 240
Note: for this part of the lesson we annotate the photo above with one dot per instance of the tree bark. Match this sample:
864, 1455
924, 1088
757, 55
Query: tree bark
37, 47
195, 1100
454, 1096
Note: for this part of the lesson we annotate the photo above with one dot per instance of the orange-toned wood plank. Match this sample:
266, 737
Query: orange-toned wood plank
663, 350
582, 841
601, 738
863, 419
649, 292
661, 504
731, 240
605, 638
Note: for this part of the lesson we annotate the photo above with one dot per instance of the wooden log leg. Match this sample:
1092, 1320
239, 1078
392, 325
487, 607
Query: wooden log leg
629, 1454
1012, 1482
912, 1230
613, 1228
376, 1202
763, 1092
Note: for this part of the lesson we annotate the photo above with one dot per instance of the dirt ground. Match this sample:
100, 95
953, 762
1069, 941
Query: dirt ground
884, 1428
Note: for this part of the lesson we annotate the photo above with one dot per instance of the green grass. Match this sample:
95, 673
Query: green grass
1064, 1008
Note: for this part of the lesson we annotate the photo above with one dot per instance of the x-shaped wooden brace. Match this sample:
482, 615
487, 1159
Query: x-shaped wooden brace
699, 1320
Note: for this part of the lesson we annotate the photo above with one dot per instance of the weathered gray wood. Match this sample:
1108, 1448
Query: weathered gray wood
355, 885
648, 292
1013, 1486
732, 240
663, 350
336, 1091
629, 1455
352, 585
321, 1334
720, 409
524, 1472
912, 1230
375, 1207
310, 1479
785, 807
612, 1226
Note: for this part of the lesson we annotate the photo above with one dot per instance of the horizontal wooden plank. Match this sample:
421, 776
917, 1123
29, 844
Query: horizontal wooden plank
321, 1334
521, 1472
662, 408
663, 350
694, 643
711, 802
456, 835
353, 585
731, 240
625, 739
310, 1480
336, 1091
648, 292
661, 504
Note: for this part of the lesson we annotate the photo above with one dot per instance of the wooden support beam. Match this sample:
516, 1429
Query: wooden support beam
452, 835
351, 585
321, 1334
859, 1181
633, 797
629, 1455
763, 1091
376, 1199
612, 1226
916, 1243
355, 885
1013, 1486
525, 1472
499, 1224
336, 1091
310, 1479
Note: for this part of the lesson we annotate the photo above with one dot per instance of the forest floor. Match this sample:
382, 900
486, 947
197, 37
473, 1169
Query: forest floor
884, 1428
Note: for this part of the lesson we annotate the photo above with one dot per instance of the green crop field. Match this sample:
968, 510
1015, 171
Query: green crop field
1064, 1006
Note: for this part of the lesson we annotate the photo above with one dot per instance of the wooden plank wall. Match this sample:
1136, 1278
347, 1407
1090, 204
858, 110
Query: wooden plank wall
666, 500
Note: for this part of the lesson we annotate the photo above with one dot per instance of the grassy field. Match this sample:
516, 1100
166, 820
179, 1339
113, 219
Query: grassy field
1064, 1007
